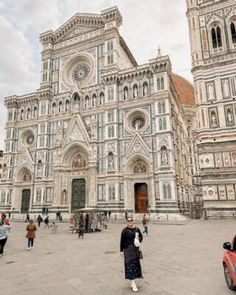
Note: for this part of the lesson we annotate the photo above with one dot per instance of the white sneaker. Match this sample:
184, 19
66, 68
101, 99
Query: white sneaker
28, 249
135, 288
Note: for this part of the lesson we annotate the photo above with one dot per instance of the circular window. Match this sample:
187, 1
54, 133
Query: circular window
137, 120
80, 72
30, 139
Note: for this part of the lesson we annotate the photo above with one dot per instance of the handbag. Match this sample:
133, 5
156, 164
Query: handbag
140, 254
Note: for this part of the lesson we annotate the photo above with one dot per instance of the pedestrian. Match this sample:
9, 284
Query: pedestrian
105, 221
126, 215
31, 229
46, 222
109, 214
81, 225
27, 217
39, 220
46, 211
130, 240
4, 230
4, 219
145, 224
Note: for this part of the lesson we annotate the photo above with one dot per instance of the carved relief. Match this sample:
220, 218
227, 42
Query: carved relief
230, 192
226, 159
218, 160
210, 89
222, 192
225, 88
139, 167
233, 158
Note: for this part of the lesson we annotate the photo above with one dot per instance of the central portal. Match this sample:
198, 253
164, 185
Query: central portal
78, 194
141, 197
25, 201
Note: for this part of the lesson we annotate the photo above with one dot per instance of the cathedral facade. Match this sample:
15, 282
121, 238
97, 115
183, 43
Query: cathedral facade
212, 26
101, 132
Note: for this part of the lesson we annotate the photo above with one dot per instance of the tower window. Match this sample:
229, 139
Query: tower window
233, 32
216, 37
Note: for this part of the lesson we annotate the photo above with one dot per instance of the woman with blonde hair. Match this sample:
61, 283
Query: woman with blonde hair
31, 229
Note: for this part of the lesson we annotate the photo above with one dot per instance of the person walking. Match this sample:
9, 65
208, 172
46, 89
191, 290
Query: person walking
131, 238
27, 217
81, 226
31, 229
39, 220
4, 230
5, 220
46, 222
145, 224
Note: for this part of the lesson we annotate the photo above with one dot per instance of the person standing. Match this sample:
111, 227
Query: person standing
129, 249
145, 224
4, 230
31, 229
81, 224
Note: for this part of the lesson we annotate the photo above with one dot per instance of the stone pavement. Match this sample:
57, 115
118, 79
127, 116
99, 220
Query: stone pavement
178, 260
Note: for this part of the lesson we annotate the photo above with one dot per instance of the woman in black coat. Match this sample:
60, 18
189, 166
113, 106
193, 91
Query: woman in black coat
130, 252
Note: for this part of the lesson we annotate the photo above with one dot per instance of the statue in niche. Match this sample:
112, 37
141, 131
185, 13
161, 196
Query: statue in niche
145, 89
164, 157
229, 116
226, 88
135, 91
125, 93
39, 168
213, 119
64, 196
211, 92
140, 167
110, 161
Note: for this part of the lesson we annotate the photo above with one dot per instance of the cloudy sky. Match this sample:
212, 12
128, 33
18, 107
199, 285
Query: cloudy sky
146, 26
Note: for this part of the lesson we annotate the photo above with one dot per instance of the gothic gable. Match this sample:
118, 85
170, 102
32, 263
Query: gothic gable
25, 158
79, 24
137, 147
76, 132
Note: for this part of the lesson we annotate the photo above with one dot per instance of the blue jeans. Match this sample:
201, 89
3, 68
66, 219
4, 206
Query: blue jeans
30, 242
145, 230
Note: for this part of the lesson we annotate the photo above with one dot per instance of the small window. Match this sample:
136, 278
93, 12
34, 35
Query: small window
233, 32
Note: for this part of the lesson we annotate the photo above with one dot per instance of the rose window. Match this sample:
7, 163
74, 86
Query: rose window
80, 72
30, 139
138, 122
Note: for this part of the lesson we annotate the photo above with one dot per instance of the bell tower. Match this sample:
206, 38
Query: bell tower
212, 31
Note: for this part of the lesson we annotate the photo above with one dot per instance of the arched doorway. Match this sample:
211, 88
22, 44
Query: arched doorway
25, 201
78, 194
141, 197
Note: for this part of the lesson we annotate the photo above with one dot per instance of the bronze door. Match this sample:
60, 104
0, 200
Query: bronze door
78, 194
141, 198
25, 201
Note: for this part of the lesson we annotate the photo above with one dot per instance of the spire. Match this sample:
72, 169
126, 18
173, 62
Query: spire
159, 52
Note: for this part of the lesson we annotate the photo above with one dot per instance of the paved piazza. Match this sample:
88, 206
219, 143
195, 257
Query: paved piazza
178, 260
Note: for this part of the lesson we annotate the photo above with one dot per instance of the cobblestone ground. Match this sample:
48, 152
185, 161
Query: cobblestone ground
178, 260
